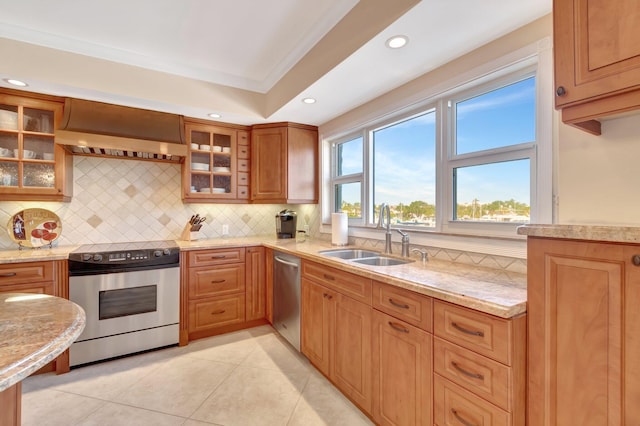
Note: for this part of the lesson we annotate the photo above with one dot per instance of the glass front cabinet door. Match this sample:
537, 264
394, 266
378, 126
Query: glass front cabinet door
32, 166
210, 170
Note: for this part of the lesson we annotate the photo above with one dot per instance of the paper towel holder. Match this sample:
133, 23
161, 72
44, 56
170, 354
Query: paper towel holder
339, 229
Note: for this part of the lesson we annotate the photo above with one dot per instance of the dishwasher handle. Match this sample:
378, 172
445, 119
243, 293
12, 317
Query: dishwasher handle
286, 262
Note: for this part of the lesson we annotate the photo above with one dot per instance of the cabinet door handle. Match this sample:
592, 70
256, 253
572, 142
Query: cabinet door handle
8, 274
461, 419
561, 91
218, 312
219, 256
328, 277
636, 259
217, 281
467, 331
467, 373
398, 327
398, 305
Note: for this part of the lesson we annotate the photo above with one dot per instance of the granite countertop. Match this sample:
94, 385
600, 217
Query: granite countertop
492, 291
32, 255
34, 329
617, 234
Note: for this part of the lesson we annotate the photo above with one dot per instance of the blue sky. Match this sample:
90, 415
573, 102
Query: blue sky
405, 152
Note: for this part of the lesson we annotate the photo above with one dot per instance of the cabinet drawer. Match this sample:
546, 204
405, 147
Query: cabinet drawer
28, 272
406, 305
482, 333
220, 280
480, 375
243, 192
243, 152
243, 179
351, 285
243, 165
456, 406
217, 312
216, 257
243, 138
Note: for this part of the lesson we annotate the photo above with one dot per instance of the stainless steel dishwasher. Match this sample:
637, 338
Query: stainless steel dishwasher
286, 297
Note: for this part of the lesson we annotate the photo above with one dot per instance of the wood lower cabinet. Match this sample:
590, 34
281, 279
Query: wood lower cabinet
336, 336
284, 163
479, 364
584, 325
256, 288
597, 59
402, 375
45, 277
222, 290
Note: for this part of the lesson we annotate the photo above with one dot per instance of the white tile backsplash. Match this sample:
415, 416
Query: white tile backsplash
118, 200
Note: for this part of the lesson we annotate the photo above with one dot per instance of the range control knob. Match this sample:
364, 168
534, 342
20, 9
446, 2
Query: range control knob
97, 257
86, 257
166, 251
157, 253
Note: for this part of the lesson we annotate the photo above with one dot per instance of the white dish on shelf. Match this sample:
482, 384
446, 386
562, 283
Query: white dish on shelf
195, 146
218, 190
5, 153
8, 120
205, 147
226, 149
222, 169
217, 148
200, 166
207, 190
48, 156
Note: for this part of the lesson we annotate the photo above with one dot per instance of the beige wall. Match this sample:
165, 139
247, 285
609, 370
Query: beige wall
599, 176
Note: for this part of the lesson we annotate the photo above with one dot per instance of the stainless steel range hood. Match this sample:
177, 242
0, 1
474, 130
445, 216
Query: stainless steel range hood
100, 129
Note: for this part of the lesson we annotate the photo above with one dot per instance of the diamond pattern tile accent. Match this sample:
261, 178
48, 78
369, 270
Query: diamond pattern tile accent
94, 221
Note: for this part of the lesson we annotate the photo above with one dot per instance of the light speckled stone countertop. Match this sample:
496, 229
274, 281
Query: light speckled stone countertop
31, 255
34, 329
492, 291
617, 234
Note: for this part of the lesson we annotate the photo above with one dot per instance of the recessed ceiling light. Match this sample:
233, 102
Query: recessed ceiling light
397, 42
309, 100
16, 82
214, 115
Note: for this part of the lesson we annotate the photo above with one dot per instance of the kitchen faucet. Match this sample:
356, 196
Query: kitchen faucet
384, 211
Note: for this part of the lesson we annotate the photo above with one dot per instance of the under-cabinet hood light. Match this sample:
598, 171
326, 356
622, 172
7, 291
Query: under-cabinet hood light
16, 82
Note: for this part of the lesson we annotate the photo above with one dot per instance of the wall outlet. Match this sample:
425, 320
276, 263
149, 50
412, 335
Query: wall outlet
225, 229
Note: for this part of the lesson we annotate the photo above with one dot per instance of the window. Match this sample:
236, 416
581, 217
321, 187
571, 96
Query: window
464, 162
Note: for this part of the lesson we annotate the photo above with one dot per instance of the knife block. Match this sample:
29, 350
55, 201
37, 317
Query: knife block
188, 234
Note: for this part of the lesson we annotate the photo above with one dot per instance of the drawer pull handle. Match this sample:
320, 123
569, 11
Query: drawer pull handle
461, 419
220, 256
8, 274
466, 331
467, 373
327, 296
398, 327
398, 305
328, 277
218, 312
217, 281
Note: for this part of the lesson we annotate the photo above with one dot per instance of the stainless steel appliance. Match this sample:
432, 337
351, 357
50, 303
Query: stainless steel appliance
131, 295
286, 221
286, 297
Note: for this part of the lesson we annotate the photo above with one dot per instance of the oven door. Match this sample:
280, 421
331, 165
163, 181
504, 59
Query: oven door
127, 301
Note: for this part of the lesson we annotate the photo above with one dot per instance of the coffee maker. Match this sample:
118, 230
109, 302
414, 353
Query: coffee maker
286, 224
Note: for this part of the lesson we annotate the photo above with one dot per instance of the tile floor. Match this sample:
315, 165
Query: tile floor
250, 377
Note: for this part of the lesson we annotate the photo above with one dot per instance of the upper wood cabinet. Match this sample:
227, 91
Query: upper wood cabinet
583, 332
32, 166
284, 163
597, 59
216, 168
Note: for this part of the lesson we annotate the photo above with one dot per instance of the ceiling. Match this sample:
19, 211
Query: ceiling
250, 61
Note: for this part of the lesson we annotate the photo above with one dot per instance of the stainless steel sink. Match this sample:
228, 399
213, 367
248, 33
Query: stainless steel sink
349, 253
381, 261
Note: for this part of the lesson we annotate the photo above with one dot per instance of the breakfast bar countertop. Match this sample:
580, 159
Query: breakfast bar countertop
35, 329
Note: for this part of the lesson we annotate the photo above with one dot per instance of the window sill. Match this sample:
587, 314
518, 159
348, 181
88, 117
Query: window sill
515, 246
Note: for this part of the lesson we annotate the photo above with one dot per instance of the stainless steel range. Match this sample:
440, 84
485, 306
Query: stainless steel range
131, 295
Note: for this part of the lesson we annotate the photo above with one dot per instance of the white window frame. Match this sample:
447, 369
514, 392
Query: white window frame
489, 238
350, 178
